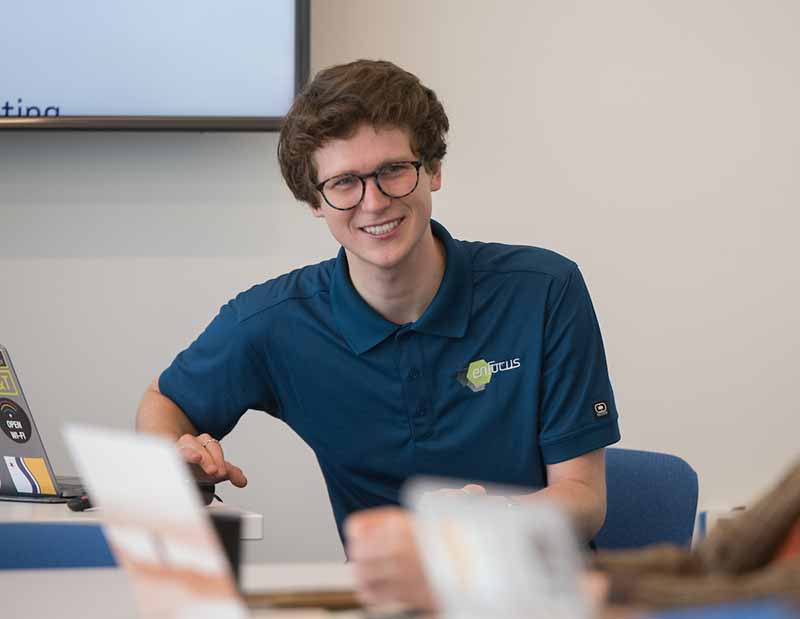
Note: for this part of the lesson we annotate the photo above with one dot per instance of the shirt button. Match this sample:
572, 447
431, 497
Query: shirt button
421, 412
413, 374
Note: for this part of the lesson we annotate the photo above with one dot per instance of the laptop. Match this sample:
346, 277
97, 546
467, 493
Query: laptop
25, 470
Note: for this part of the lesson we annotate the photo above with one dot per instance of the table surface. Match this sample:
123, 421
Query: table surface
299, 577
105, 592
95, 593
16, 511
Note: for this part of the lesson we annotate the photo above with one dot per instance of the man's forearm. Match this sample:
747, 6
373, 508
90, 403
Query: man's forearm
583, 504
159, 415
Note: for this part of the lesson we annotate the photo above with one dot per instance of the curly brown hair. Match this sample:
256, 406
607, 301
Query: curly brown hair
341, 98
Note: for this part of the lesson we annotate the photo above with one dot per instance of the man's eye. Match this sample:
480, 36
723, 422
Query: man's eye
394, 169
343, 182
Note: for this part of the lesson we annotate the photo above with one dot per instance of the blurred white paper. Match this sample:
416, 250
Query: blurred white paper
486, 558
156, 527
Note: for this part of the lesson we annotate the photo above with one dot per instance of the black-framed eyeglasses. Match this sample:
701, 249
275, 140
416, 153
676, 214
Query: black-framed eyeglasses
394, 180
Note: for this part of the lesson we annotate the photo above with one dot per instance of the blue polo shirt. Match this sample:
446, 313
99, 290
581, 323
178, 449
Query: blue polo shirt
504, 372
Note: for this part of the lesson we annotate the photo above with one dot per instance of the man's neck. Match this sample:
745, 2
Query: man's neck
402, 294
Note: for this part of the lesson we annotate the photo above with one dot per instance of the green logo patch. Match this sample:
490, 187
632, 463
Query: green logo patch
479, 374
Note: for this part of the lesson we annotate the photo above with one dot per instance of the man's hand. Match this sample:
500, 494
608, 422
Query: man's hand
205, 455
382, 548
159, 415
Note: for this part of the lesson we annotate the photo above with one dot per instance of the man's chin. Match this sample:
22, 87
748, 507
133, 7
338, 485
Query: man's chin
383, 260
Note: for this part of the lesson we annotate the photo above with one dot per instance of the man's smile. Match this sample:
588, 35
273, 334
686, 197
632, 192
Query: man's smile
382, 229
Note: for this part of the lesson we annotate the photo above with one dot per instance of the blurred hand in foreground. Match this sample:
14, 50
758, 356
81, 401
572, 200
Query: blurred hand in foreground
382, 547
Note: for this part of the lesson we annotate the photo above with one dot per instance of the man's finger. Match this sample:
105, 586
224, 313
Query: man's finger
197, 457
214, 449
235, 475
208, 466
190, 455
191, 449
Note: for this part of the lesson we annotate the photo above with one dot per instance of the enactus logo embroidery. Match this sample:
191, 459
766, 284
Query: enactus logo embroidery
479, 373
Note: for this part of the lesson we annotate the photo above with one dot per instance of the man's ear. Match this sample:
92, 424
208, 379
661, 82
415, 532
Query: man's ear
436, 176
316, 211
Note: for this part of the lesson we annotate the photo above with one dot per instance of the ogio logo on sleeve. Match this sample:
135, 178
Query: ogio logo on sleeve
479, 373
600, 409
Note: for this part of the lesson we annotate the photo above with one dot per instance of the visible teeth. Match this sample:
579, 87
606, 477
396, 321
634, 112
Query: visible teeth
378, 230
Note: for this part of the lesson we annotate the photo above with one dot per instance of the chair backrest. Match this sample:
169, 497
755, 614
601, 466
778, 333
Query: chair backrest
652, 499
27, 545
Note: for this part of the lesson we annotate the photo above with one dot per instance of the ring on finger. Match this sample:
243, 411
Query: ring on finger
211, 440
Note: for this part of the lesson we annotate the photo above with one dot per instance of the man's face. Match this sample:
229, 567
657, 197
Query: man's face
381, 232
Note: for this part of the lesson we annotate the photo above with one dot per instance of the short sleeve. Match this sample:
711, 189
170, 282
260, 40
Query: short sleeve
219, 377
578, 412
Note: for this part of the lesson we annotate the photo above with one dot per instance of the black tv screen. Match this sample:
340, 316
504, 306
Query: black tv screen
151, 64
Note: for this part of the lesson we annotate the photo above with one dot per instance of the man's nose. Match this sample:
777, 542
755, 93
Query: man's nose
374, 198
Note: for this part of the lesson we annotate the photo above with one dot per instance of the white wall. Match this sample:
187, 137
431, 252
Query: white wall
653, 142
117, 250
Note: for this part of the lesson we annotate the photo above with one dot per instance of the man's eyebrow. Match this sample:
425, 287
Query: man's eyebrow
383, 163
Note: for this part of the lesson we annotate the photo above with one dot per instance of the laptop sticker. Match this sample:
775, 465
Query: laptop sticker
14, 421
7, 385
22, 482
38, 470
29, 475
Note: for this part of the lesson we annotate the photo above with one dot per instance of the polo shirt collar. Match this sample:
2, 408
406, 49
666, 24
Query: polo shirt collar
447, 315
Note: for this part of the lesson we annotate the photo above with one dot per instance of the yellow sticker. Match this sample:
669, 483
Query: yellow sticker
7, 384
38, 471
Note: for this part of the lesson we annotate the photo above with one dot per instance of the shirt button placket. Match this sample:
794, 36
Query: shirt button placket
419, 409
409, 361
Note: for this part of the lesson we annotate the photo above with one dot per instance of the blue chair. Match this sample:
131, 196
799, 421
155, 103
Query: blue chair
28, 545
652, 499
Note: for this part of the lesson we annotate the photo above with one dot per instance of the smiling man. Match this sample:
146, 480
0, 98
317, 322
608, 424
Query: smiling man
411, 352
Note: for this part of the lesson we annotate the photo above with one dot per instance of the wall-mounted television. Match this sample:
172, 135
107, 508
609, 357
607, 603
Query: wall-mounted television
151, 64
